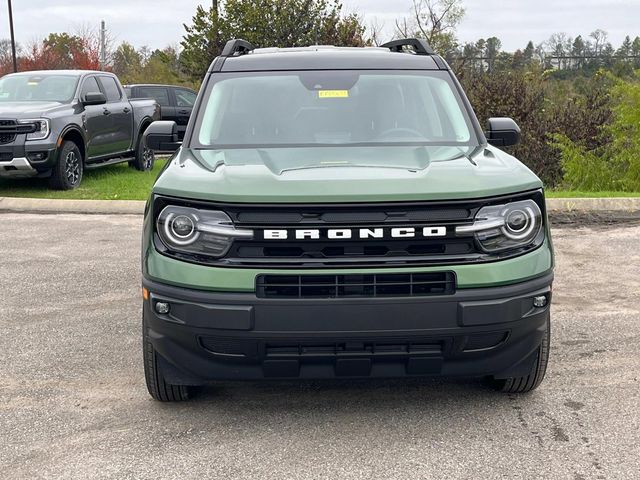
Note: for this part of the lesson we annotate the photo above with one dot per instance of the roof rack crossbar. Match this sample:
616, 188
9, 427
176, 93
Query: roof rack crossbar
420, 46
236, 46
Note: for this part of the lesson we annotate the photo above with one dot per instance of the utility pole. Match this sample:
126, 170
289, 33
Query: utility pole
103, 45
13, 39
215, 6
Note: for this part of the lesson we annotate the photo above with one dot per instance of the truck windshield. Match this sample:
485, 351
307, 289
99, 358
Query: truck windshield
37, 88
315, 108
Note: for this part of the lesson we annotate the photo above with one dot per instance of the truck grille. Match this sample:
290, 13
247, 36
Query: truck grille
353, 251
7, 131
354, 286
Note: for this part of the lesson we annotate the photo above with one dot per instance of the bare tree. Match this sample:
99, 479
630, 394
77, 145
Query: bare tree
375, 32
434, 20
599, 39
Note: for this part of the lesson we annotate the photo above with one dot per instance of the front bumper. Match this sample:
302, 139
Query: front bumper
33, 159
210, 336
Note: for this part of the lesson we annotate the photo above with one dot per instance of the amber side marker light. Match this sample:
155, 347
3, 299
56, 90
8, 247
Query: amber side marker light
145, 293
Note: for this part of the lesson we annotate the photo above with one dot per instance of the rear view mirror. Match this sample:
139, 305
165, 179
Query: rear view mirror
502, 132
162, 136
94, 98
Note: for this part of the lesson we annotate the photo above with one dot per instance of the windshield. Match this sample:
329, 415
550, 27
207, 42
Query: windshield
315, 108
37, 88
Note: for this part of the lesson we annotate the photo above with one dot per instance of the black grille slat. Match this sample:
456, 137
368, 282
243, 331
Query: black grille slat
350, 249
354, 286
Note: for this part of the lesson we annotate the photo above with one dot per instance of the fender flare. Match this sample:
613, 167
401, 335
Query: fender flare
144, 124
76, 129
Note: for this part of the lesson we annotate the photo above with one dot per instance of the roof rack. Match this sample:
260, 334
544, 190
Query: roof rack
420, 46
236, 46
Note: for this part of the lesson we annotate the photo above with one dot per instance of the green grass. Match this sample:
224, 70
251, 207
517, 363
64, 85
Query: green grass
116, 182
576, 194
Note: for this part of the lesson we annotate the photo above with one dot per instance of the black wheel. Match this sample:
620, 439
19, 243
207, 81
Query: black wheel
67, 173
144, 158
536, 375
158, 388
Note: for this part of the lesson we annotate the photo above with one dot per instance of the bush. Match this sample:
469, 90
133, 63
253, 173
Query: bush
551, 113
612, 160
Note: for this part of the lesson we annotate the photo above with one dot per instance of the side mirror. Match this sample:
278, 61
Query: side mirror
502, 132
162, 136
94, 98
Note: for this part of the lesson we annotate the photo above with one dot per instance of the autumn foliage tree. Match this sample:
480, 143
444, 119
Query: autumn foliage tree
63, 51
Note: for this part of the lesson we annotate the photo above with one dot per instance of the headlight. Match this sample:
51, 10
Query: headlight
42, 128
504, 227
198, 232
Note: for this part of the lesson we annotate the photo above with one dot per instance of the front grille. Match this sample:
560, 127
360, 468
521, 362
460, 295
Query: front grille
359, 249
367, 252
7, 133
9, 129
354, 286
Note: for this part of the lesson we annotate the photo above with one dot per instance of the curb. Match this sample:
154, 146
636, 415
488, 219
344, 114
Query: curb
561, 210
96, 207
593, 210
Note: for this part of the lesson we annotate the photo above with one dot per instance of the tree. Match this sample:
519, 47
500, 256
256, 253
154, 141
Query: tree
203, 41
635, 52
6, 57
63, 51
625, 48
527, 55
599, 39
491, 51
267, 23
578, 49
127, 62
434, 20
607, 55
559, 44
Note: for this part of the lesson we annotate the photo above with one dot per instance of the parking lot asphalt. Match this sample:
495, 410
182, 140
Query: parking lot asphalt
73, 402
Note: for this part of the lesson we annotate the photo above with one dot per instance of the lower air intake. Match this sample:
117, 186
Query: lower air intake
354, 286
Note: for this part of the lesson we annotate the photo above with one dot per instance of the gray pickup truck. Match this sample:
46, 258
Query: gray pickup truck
56, 124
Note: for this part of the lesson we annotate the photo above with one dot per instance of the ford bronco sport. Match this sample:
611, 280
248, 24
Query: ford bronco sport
339, 212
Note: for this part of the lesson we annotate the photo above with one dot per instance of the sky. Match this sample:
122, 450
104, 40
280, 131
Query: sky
157, 23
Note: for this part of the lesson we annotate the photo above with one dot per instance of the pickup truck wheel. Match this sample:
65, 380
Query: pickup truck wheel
536, 375
158, 388
145, 157
67, 173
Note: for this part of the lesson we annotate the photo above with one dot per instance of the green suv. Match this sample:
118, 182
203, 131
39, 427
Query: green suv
340, 213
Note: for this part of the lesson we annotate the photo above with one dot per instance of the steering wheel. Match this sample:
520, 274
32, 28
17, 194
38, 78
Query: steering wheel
393, 132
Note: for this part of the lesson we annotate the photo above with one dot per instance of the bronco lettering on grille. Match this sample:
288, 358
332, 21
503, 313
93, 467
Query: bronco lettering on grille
352, 233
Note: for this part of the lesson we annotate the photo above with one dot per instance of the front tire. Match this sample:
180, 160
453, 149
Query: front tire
145, 157
158, 388
536, 375
68, 170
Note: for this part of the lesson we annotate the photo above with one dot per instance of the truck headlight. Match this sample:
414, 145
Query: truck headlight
198, 232
41, 128
504, 227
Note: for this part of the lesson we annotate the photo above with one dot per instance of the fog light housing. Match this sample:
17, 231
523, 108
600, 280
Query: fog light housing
540, 301
37, 156
162, 308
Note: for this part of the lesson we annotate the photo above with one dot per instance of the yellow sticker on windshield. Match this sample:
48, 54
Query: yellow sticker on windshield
333, 93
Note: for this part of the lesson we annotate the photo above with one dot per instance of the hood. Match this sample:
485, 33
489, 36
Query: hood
11, 110
344, 174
